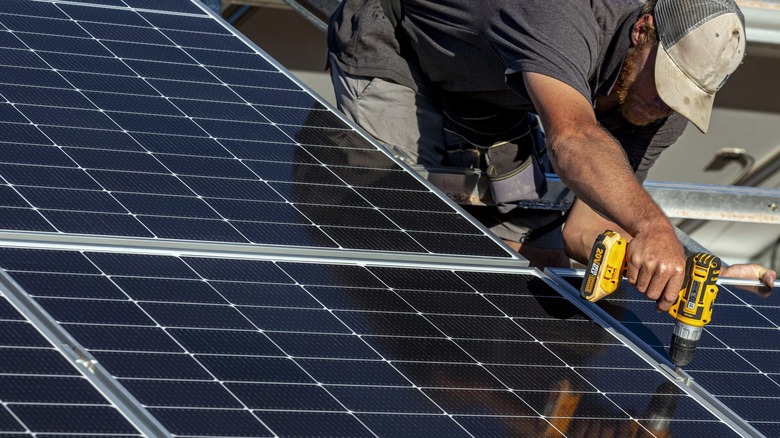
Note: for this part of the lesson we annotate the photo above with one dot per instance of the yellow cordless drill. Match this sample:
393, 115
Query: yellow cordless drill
693, 308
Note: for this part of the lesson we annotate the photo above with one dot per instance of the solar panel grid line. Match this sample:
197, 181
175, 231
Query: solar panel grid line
630, 314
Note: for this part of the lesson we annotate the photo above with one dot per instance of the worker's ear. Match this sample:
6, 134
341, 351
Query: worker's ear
641, 29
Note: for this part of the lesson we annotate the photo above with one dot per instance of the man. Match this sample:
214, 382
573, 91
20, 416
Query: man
452, 83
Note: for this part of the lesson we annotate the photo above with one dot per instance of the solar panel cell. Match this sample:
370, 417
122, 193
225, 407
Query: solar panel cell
64, 44
211, 422
102, 15
165, 5
25, 7
260, 294
152, 365
69, 285
223, 342
8, 40
405, 425
42, 25
18, 133
19, 334
184, 22
48, 389
312, 423
353, 372
130, 103
10, 198
136, 183
89, 138
25, 220
323, 345
21, 58
106, 224
50, 97
123, 338
69, 419
161, 70
115, 32
286, 397
104, 83
159, 205
39, 155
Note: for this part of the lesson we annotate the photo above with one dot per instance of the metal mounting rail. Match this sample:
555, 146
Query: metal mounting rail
678, 200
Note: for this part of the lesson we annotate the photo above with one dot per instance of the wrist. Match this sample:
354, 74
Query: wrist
652, 224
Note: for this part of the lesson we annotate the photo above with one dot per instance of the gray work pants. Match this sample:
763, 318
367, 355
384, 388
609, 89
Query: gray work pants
411, 125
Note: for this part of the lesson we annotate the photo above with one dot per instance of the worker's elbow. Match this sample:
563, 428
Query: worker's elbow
573, 243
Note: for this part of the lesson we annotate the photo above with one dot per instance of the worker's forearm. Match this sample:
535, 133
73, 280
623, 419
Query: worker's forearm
594, 166
583, 226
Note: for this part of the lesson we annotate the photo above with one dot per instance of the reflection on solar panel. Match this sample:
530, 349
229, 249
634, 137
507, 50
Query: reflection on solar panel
737, 357
192, 244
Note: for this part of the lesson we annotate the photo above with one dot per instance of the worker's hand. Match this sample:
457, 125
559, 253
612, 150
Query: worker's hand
750, 271
656, 265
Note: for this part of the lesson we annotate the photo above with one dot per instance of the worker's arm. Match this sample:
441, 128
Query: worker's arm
593, 165
583, 225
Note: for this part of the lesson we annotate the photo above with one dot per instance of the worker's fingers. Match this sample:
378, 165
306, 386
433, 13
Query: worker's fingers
671, 291
769, 278
644, 275
750, 271
651, 279
658, 283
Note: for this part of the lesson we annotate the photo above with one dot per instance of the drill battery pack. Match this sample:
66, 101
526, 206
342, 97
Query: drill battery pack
605, 268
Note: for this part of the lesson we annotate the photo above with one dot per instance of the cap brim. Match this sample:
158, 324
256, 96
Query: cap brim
680, 93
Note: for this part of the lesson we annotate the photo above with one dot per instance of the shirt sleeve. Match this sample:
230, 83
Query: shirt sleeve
556, 40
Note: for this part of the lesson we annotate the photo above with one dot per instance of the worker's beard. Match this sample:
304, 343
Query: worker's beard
633, 108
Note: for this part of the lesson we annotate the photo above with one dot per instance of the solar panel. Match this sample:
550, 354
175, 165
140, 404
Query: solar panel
255, 347
736, 357
153, 120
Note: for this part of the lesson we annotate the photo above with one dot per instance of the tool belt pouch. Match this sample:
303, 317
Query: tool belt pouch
507, 146
514, 173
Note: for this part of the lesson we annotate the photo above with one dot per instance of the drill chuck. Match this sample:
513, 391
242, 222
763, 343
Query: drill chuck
683, 344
